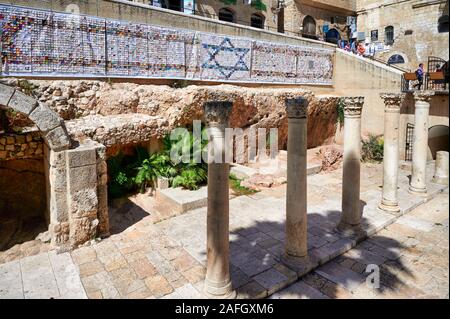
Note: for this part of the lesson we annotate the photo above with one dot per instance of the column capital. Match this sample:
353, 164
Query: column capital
392, 101
217, 112
296, 107
423, 96
353, 106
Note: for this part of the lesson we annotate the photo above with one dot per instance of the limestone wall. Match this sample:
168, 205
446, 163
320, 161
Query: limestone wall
355, 75
415, 25
21, 146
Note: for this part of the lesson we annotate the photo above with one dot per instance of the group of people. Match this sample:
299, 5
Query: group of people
356, 47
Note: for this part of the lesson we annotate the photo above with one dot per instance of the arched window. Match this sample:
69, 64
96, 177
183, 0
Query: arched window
226, 15
309, 27
396, 59
389, 35
257, 21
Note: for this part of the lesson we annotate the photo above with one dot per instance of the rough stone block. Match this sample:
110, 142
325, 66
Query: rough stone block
45, 118
6, 92
83, 203
81, 156
80, 178
58, 139
22, 103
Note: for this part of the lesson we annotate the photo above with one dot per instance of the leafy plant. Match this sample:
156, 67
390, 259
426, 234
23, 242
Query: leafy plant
122, 171
157, 165
238, 189
372, 149
258, 5
191, 176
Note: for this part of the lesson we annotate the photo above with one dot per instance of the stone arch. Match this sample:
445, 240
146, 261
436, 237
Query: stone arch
437, 140
309, 27
48, 122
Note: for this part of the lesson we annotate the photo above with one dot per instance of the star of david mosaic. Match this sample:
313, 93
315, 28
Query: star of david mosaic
214, 61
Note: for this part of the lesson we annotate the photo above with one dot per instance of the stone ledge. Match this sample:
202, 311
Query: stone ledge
117, 129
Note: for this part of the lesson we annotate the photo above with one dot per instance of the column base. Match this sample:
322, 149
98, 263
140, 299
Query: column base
349, 230
417, 191
440, 180
219, 291
389, 206
300, 264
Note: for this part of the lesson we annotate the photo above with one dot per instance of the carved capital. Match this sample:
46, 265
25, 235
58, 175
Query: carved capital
392, 101
353, 106
423, 96
217, 112
296, 107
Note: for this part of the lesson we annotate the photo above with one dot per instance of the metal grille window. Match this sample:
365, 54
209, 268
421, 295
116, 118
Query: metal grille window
389, 35
226, 15
409, 142
257, 21
374, 35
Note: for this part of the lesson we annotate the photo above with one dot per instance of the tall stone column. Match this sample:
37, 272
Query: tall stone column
351, 207
218, 280
296, 245
420, 142
392, 104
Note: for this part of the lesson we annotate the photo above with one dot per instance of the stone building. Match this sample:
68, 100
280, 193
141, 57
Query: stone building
405, 32
316, 19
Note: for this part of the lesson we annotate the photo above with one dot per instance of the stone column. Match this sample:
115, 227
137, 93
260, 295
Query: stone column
351, 207
218, 281
420, 142
296, 245
441, 168
392, 103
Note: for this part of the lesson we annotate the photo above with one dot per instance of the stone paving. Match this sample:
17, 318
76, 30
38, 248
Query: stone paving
412, 255
144, 259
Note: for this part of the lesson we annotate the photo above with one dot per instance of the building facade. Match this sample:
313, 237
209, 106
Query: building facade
404, 32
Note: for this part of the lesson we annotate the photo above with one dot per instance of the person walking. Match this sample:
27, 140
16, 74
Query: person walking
419, 74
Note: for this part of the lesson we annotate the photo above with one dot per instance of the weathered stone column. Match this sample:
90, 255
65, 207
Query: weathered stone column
420, 142
351, 206
392, 103
441, 168
296, 245
218, 281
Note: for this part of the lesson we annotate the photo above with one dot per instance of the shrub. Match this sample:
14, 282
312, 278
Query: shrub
372, 149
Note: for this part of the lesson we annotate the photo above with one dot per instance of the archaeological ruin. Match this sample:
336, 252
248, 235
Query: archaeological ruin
329, 150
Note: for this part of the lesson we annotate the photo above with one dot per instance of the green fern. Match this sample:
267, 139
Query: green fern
259, 5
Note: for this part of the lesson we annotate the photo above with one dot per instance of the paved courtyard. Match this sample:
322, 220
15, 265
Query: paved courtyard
166, 259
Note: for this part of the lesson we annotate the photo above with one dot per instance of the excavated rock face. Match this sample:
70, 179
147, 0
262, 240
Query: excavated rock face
253, 107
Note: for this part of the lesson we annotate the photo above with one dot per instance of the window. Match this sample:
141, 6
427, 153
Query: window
396, 59
309, 26
389, 35
257, 21
374, 35
226, 15
443, 24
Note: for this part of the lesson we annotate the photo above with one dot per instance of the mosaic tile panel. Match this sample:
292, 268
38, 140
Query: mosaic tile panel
274, 62
224, 58
59, 44
314, 66
17, 26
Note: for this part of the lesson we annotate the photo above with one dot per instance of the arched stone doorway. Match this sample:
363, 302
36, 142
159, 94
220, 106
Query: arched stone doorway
438, 136
24, 206
309, 27
75, 173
